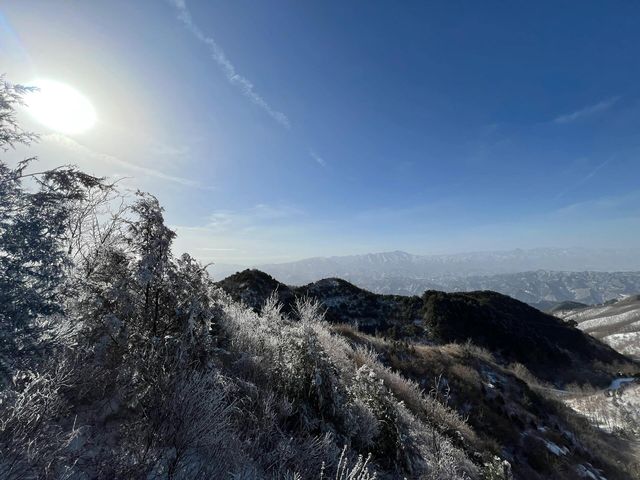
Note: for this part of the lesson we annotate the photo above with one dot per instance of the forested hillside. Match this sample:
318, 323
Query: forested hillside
122, 359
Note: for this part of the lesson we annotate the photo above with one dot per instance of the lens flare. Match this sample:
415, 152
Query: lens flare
60, 107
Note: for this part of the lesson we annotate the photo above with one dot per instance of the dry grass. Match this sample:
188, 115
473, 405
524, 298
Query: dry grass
523, 373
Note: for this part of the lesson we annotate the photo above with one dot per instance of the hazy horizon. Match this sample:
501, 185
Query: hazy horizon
571, 259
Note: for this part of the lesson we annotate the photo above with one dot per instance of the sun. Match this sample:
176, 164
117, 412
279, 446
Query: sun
60, 107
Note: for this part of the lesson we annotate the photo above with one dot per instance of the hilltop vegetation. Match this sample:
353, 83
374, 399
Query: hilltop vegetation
342, 301
120, 359
513, 331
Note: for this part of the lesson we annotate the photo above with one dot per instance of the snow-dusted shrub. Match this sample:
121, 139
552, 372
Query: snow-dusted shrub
31, 441
332, 384
358, 470
304, 362
369, 389
426, 407
289, 353
497, 469
190, 430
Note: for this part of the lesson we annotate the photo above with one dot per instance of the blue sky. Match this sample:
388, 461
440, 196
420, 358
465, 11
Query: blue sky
277, 130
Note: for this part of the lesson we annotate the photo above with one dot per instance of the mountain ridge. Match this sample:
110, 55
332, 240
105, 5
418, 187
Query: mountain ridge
498, 362
489, 319
399, 272
460, 264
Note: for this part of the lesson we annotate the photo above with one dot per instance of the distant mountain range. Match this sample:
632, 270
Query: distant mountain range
403, 264
540, 277
542, 289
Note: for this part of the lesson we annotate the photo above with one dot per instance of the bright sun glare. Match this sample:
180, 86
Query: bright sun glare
60, 107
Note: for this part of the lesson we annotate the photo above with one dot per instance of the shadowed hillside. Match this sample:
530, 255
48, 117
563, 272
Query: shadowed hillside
512, 330
343, 302
516, 332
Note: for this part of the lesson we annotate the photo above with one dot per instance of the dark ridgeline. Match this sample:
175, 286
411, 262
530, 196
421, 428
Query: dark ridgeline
512, 330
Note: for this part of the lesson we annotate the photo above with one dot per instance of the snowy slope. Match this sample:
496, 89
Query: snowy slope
616, 322
615, 410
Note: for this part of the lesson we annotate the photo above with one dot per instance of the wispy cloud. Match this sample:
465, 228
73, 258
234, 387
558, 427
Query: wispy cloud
584, 179
170, 150
623, 205
318, 158
229, 70
83, 151
586, 111
248, 219
256, 234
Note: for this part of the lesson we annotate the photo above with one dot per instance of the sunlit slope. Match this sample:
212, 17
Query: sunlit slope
617, 323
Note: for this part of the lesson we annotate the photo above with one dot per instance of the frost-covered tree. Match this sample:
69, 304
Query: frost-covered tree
150, 239
34, 212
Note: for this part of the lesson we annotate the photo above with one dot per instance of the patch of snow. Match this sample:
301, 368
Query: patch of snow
555, 449
619, 411
618, 382
604, 320
588, 472
627, 343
